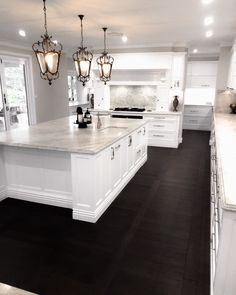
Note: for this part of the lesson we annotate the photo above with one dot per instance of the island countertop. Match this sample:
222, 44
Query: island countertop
225, 131
63, 135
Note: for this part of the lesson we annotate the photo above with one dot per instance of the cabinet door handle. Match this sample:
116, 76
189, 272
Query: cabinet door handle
144, 130
139, 131
130, 140
139, 151
112, 153
214, 177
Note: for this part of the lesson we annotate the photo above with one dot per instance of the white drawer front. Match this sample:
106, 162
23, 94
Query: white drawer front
197, 120
198, 110
163, 125
161, 136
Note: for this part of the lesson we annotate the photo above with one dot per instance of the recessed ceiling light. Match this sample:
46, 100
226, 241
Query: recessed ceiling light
195, 50
22, 33
209, 34
124, 38
205, 2
208, 20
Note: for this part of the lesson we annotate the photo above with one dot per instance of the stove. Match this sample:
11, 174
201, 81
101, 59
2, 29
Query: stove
126, 109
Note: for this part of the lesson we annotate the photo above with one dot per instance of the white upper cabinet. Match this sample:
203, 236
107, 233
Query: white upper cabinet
201, 74
178, 71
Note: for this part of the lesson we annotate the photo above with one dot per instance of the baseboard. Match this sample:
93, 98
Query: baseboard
3, 192
47, 198
88, 216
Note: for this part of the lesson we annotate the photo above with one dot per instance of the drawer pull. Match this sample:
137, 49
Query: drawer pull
158, 135
139, 151
158, 125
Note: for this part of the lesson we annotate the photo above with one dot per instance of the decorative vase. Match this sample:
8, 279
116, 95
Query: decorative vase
175, 103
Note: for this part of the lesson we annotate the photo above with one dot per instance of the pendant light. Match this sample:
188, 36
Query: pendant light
105, 62
82, 59
47, 53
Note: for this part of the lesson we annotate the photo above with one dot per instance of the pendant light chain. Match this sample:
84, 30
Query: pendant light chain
105, 41
45, 17
81, 30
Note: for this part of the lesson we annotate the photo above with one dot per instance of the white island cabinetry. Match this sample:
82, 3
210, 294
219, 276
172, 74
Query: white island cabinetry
109, 171
58, 164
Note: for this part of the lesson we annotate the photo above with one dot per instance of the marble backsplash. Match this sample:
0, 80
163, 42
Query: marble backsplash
133, 96
223, 100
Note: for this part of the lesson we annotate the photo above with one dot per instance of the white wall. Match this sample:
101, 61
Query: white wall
51, 101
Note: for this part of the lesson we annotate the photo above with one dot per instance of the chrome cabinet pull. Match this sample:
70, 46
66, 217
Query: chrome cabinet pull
112, 153
130, 140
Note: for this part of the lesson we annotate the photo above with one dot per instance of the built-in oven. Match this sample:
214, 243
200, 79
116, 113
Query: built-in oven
123, 115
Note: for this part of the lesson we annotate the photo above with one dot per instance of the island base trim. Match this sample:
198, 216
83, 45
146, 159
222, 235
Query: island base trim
3, 192
40, 197
93, 216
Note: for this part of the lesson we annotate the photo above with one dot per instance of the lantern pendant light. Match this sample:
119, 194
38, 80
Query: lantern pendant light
47, 53
105, 62
82, 59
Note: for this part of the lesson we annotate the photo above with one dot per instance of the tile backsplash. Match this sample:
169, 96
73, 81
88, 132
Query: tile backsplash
133, 96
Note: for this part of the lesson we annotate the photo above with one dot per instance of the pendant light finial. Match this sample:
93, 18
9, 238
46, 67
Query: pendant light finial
82, 58
105, 62
47, 53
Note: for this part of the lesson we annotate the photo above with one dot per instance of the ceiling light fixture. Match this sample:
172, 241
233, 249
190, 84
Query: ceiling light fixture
124, 38
47, 53
195, 50
22, 33
208, 20
206, 2
105, 62
209, 34
82, 58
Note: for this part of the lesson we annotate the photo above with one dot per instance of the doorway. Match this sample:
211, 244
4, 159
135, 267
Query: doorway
14, 106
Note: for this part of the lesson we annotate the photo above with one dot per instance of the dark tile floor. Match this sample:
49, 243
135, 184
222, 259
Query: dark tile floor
154, 239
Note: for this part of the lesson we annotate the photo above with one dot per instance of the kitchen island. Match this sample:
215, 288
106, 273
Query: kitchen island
57, 163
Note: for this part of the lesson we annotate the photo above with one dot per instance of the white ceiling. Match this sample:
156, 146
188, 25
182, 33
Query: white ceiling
147, 23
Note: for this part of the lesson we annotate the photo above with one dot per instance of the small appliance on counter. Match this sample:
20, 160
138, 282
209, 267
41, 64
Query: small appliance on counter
233, 108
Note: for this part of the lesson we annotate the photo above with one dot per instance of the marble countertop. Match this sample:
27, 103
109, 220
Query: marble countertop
63, 135
225, 131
